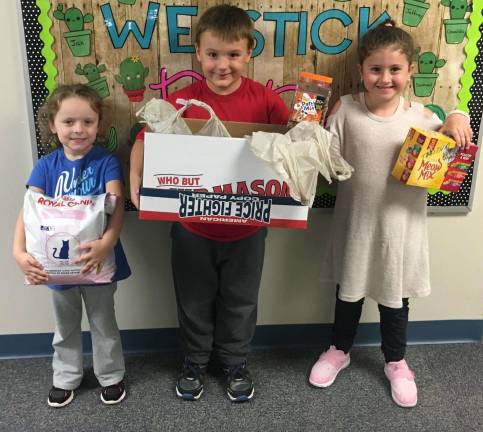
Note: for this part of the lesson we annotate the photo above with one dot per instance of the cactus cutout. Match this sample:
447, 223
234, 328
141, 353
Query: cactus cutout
93, 74
73, 17
455, 27
414, 11
132, 74
425, 80
427, 63
110, 141
78, 38
457, 8
91, 71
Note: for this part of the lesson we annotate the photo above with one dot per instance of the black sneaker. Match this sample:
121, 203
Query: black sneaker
190, 381
239, 384
59, 397
113, 394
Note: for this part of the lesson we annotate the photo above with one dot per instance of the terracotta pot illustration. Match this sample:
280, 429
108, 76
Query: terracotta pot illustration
413, 12
455, 30
135, 95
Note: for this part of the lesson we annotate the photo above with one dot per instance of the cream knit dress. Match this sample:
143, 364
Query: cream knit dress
378, 246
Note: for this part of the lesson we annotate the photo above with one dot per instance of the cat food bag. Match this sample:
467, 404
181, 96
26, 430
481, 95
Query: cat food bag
432, 160
54, 229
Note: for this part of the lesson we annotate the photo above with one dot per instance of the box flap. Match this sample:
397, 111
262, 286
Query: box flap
238, 129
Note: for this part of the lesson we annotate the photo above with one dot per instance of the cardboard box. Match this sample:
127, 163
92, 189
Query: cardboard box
432, 160
215, 180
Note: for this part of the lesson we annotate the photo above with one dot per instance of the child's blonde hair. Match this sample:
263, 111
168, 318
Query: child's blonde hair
383, 36
229, 23
51, 106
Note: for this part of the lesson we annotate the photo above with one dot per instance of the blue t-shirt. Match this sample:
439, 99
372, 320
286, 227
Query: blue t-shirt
56, 176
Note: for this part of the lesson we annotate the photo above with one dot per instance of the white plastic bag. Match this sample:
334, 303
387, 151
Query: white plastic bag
54, 229
298, 156
162, 117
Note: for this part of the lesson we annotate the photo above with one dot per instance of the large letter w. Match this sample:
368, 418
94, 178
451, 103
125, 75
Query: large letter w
119, 39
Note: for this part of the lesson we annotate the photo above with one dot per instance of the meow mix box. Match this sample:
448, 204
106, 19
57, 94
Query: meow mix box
432, 160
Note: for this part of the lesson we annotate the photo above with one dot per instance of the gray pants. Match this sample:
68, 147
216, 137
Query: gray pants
216, 285
107, 353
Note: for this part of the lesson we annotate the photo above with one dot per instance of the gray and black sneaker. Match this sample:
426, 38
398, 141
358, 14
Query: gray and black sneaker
190, 381
59, 398
113, 394
239, 384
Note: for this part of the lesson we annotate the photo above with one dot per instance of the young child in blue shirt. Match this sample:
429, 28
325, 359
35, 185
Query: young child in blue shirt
71, 117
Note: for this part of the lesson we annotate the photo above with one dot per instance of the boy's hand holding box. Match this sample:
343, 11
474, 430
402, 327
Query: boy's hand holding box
432, 160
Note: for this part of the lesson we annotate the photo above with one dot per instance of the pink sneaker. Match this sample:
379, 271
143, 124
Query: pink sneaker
326, 368
403, 388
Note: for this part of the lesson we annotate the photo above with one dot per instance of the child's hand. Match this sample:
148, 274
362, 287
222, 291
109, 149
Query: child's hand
31, 268
94, 256
458, 127
135, 185
136, 170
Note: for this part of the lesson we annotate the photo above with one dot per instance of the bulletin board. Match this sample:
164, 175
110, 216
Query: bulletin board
102, 43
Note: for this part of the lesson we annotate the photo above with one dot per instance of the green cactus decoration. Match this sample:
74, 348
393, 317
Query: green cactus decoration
91, 71
440, 112
455, 27
132, 74
457, 8
414, 11
93, 74
78, 38
425, 80
73, 17
110, 141
427, 63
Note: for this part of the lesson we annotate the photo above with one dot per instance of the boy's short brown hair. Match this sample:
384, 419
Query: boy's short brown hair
229, 23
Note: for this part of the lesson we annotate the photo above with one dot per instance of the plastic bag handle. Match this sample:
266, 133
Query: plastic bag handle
213, 123
187, 103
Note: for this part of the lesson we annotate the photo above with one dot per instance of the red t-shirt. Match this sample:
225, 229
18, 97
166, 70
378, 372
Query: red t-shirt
250, 103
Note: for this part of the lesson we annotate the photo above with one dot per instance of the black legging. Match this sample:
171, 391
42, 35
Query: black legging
393, 326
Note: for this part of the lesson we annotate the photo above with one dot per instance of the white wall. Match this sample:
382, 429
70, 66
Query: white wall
290, 292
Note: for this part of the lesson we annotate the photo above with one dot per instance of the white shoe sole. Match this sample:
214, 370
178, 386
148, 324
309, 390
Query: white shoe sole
241, 398
402, 405
114, 401
63, 404
329, 383
187, 396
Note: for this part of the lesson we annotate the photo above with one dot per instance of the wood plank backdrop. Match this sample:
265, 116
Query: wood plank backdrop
292, 36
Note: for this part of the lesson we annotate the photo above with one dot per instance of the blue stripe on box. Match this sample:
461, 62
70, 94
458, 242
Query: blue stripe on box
174, 193
306, 335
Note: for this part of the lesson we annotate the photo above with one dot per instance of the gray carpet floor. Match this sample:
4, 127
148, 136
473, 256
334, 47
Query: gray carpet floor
449, 378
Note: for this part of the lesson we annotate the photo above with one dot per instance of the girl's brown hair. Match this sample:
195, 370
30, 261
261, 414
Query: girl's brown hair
383, 36
229, 23
51, 106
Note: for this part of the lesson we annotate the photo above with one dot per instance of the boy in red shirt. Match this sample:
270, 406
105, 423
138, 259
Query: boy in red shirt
217, 268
